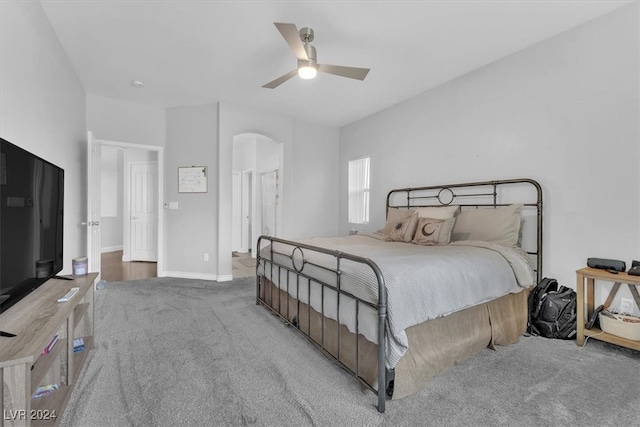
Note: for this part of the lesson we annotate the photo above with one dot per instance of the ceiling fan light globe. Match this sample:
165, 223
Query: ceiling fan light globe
307, 72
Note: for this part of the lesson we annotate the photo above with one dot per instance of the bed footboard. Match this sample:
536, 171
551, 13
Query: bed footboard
284, 285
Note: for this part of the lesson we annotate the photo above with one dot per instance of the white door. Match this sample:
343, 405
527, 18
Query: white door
236, 212
144, 212
94, 162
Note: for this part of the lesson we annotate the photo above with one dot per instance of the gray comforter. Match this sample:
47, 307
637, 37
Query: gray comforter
422, 282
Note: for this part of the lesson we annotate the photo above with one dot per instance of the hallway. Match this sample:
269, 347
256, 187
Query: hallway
115, 270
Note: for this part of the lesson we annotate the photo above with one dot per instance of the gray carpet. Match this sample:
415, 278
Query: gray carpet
177, 352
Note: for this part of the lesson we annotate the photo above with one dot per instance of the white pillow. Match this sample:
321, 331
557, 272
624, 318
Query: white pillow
438, 212
401, 225
500, 225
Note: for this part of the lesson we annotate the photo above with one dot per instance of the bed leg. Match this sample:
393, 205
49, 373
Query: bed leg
382, 368
382, 391
257, 290
382, 353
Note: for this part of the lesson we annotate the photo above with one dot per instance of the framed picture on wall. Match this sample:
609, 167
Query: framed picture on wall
192, 179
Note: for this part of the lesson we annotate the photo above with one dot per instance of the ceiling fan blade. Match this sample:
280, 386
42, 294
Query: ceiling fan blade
292, 37
350, 72
277, 82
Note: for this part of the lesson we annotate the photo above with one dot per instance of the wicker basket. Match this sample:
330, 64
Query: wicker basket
629, 328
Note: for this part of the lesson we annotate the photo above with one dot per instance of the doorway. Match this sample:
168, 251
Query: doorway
256, 199
118, 229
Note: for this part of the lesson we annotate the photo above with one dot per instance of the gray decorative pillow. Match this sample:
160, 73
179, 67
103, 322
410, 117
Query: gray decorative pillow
500, 225
432, 231
396, 225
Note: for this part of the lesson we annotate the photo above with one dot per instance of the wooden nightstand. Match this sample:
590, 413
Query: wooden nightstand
587, 276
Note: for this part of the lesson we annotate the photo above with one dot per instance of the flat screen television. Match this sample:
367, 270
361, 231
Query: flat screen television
31, 219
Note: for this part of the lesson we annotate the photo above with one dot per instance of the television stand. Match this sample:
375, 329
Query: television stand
37, 319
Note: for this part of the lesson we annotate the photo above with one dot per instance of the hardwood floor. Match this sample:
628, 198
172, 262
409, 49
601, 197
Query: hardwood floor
113, 269
243, 265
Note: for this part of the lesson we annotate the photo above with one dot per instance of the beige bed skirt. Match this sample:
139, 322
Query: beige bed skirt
434, 346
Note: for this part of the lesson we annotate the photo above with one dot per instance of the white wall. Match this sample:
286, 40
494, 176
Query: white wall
563, 112
42, 108
316, 181
244, 152
125, 121
268, 154
191, 230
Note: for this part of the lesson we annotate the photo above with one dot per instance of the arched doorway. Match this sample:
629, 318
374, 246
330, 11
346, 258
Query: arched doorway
257, 170
236, 120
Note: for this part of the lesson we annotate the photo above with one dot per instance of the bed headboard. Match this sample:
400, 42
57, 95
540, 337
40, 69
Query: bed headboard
482, 195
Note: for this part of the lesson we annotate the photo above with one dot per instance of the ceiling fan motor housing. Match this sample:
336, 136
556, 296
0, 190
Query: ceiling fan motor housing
306, 34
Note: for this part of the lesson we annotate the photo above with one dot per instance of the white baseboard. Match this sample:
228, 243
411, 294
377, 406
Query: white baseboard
188, 275
111, 249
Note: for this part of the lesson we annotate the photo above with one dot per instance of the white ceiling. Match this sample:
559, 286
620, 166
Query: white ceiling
198, 52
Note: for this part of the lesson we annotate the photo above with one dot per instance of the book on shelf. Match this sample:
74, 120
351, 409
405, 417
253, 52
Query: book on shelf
78, 345
49, 346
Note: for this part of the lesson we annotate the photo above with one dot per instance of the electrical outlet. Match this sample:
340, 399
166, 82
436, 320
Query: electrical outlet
206, 257
626, 304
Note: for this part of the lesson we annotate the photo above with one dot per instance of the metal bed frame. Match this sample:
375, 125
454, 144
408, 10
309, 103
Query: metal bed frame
486, 194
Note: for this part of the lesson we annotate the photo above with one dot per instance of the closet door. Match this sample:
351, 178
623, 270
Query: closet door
144, 212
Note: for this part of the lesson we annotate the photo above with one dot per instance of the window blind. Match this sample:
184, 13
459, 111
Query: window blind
359, 191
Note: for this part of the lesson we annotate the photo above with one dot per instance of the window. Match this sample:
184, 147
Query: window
359, 191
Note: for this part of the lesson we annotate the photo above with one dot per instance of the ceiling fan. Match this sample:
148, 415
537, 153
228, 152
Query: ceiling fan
307, 58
